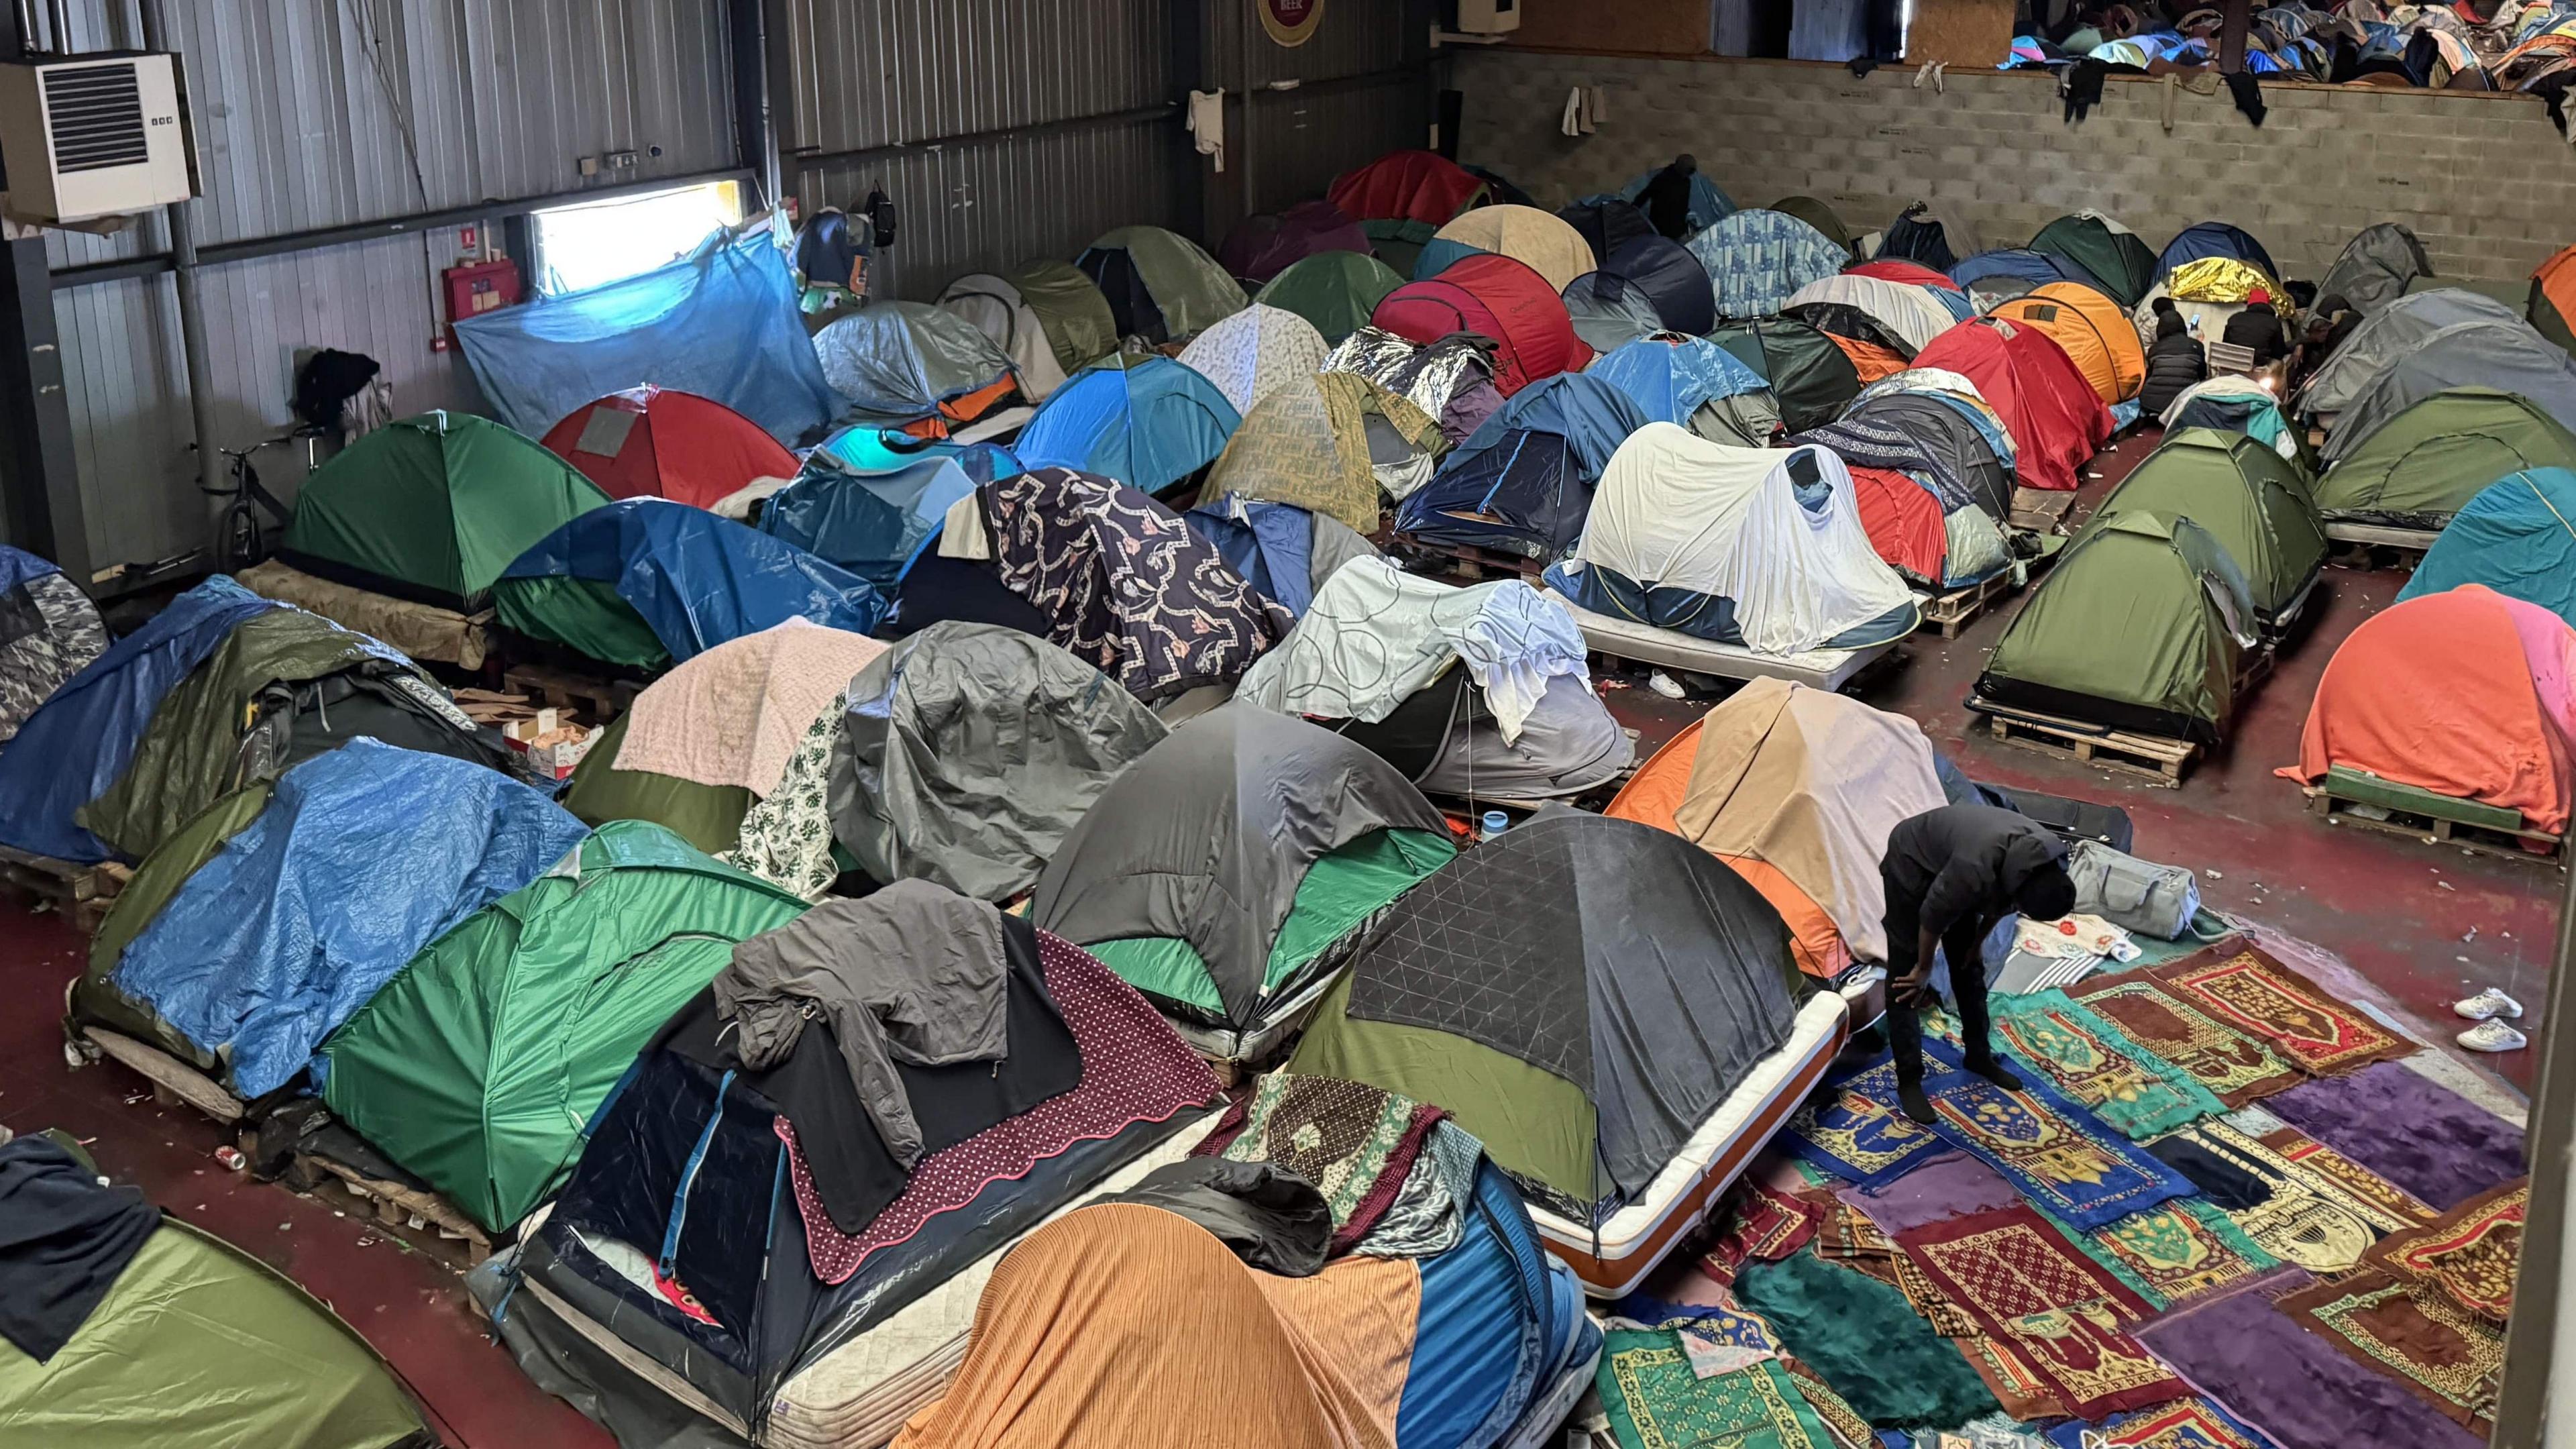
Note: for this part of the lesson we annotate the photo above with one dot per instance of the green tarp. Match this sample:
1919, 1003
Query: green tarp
200, 1344
433, 508
97, 1002
2113, 256
1189, 289
583, 615
2426, 463
707, 816
1079, 325
2251, 499
477, 1067
1335, 291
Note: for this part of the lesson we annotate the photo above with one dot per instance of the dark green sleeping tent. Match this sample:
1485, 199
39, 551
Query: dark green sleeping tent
476, 1069
433, 508
2116, 258
706, 816
2141, 627
1071, 308
1818, 213
2251, 499
1812, 380
2427, 462
1336, 291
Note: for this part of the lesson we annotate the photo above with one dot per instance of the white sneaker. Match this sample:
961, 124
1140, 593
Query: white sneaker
2488, 1005
2493, 1036
1667, 686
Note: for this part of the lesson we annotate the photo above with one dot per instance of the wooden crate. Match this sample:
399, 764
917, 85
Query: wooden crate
2431, 818
597, 701
1466, 561
2159, 760
81, 892
2365, 545
1956, 610
397, 1205
2041, 510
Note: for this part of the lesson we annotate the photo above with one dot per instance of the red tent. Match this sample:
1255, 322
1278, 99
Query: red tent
1406, 186
1897, 269
1904, 523
654, 442
1497, 297
2467, 693
2056, 419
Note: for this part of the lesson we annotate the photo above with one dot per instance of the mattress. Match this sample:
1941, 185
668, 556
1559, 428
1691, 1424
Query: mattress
1672, 649
1612, 1259
859, 1394
423, 631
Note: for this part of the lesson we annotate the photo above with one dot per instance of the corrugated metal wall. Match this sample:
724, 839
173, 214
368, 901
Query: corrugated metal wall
1309, 122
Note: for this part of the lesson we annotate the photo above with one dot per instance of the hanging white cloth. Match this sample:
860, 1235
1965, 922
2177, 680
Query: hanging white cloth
1207, 122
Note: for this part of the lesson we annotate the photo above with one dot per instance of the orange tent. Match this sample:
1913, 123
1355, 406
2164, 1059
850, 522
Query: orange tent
2093, 332
2466, 693
1868, 359
2553, 299
1904, 523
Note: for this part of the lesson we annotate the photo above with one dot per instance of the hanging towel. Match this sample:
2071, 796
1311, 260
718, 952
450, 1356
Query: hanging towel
1207, 122
1571, 123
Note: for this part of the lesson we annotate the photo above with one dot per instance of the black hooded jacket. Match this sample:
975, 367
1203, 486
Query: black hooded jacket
1964, 863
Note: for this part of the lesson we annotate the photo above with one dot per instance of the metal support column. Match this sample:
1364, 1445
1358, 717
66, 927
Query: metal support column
193, 347
754, 128
40, 492
2236, 20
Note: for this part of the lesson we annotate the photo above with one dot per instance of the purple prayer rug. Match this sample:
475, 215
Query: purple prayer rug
2398, 1123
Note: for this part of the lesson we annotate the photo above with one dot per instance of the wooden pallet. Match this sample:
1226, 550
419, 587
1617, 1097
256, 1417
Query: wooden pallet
2431, 818
1956, 610
2363, 545
397, 1205
2041, 510
1468, 562
174, 1082
598, 701
2154, 757
81, 892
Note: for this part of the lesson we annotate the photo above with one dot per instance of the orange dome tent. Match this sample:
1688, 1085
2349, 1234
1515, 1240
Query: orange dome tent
2092, 330
2552, 308
2466, 693
660, 443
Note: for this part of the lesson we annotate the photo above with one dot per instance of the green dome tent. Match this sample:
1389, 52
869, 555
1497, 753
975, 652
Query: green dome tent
2427, 462
1160, 285
433, 508
477, 1067
2116, 258
1811, 379
1818, 213
2251, 499
706, 816
2141, 627
1070, 307
1336, 291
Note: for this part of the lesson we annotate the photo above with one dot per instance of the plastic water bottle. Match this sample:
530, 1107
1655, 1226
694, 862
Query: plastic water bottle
1496, 822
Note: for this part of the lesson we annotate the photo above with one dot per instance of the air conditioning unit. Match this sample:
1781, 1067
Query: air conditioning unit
1488, 17
87, 136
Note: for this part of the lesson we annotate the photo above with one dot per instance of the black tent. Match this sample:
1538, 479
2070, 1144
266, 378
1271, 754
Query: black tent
1608, 224
1664, 273
1919, 434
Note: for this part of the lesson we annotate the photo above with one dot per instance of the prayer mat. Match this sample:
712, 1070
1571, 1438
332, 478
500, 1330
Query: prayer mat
2402, 1126
1952, 1184
2293, 1211
2233, 1067
1842, 1232
2176, 1251
2296, 1388
2450, 1357
2184, 1424
1865, 1340
1721, 1326
1849, 1429
2058, 1154
1655, 1400
2124, 1084
2043, 1301
2469, 1254
1764, 1220
2022, 1393
2250, 991
2395, 1205
1948, 1319
1355, 1143
1859, 1135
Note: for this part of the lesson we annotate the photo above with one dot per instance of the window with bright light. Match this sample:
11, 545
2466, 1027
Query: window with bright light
597, 242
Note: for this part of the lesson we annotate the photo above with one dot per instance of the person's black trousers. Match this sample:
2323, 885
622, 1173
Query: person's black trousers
1964, 948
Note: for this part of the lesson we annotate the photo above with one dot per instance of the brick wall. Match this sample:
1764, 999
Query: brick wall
2485, 181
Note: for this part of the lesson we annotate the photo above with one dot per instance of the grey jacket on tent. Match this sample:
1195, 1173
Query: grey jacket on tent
968, 753
913, 973
1207, 838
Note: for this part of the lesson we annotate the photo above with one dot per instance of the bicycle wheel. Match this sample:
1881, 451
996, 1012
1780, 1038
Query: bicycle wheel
243, 546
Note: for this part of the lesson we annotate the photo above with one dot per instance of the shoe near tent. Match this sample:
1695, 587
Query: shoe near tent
282, 687
1262, 246
1811, 379
656, 442
1160, 285
2056, 419
1495, 297
1816, 213
1997, 276
2142, 626
433, 508
2508, 357
2464, 692
1900, 317
197, 1342
1695, 383
1757, 260
1285, 552
49, 632
1661, 275
910, 362
1330, 443
1743, 546
2095, 335
2397, 328
2248, 497
478, 1067
2377, 267
1250, 354
872, 524
643, 583
1522, 483
1797, 790
2113, 257
2213, 239
1534, 238
2552, 308
2514, 537
968, 753
1334, 291
992, 306
1226, 873
1071, 308
1148, 422
2426, 463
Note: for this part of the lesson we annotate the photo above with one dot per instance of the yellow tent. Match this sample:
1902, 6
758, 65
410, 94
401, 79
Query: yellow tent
2092, 329
1543, 243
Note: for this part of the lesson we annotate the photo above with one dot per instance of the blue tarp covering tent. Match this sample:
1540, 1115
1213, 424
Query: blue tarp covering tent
362, 857
2213, 239
1148, 425
692, 579
2515, 538
1664, 273
721, 323
2017, 264
1522, 482
70, 751
1670, 379
873, 524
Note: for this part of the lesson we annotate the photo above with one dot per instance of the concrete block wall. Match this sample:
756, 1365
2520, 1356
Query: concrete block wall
2486, 182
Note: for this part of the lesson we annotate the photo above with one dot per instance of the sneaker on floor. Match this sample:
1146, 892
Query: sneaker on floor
2487, 1005
2493, 1036
1665, 685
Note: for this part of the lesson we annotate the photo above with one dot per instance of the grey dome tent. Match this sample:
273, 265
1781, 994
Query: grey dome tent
903, 360
1662, 274
2376, 268
2389, 334
2508, 357
1223, 873
969, 751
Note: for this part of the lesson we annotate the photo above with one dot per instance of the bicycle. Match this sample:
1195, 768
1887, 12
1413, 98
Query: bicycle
240, 538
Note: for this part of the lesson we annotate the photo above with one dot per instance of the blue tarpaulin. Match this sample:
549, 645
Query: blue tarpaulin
1669, 381
1147, 426
873, 524
2213, 239
362, 857
17, 566
80, 742
721, 323
698, 580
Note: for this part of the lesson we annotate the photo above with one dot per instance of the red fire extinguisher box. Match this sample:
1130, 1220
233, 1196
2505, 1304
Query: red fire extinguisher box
479, 287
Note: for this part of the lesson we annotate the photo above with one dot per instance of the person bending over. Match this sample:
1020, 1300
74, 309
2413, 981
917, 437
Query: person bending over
1950, 875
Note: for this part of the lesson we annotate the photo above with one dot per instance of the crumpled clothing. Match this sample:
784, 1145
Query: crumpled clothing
786, 836
2249, 95
2075, 936
1428, 1216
